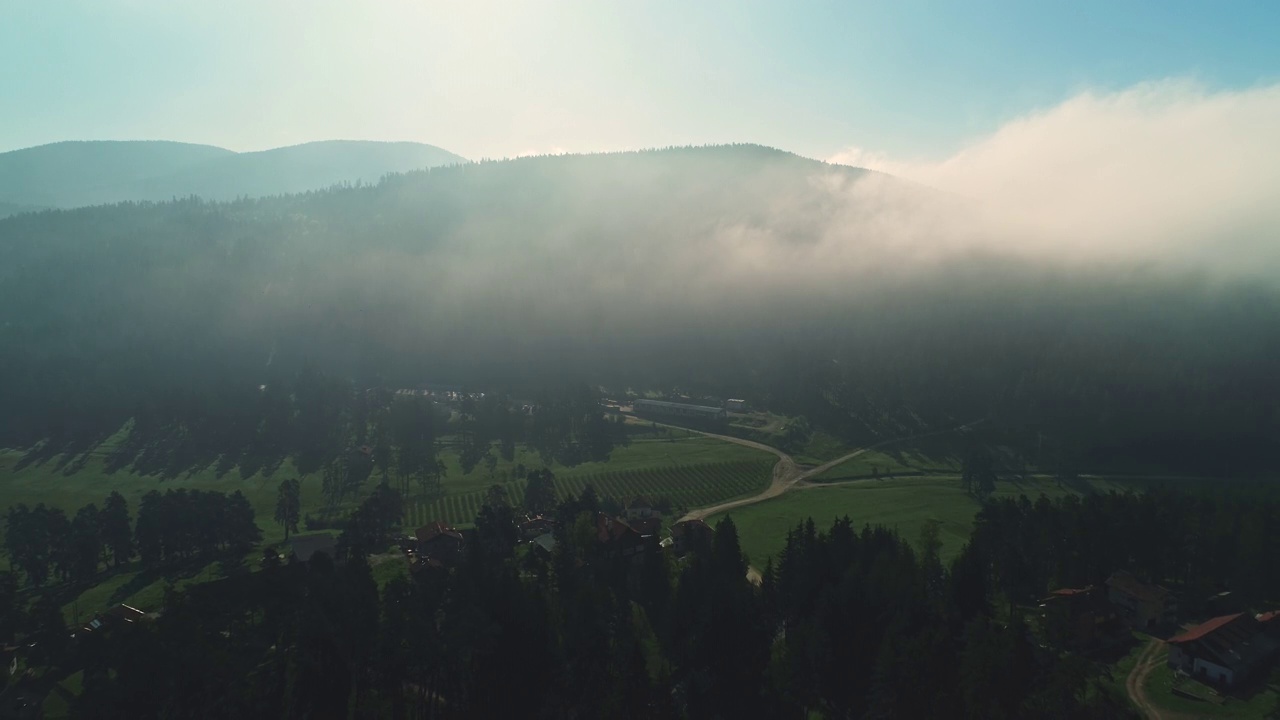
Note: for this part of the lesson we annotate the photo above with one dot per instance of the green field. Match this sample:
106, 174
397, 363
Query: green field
903, 504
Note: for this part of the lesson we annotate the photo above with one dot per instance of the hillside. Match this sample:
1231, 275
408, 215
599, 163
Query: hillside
76, 174
730, 271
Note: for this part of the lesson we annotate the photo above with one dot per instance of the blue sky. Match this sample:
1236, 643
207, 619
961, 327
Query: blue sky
910, 79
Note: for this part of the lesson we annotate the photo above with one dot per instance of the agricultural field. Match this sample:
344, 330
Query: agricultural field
686, 485
688, 468
904, 504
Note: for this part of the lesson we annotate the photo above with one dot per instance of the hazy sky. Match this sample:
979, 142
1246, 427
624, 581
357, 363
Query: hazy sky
912, 80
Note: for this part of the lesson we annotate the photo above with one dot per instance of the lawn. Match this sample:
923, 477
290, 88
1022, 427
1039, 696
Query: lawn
904, 504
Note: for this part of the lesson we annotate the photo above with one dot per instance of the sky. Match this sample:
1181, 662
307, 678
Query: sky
847, 80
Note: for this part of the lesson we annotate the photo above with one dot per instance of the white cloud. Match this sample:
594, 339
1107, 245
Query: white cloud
1161, 172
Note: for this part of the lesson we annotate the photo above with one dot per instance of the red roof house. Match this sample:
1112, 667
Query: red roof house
1225, 650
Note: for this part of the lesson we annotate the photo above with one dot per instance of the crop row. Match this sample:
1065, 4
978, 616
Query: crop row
685, 486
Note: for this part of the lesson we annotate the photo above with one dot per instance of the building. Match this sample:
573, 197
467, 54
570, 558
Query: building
1141, 605
440, 543
1080, 618
619, 538
639, 508
303, 547
648, 527
735, 405
663, 409
1224, 651
536, 526
691, 535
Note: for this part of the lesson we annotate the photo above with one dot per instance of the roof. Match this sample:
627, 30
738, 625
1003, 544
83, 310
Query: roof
1130, 585
1204, 629
1233, 641
1267, 617
647, 526
546, 541
304, 546
1064, 592
609, 529
434, 530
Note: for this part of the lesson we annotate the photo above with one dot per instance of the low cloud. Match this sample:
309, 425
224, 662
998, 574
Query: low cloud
1165, 173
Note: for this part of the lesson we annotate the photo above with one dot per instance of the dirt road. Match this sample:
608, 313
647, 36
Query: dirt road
787, 474
1151, 657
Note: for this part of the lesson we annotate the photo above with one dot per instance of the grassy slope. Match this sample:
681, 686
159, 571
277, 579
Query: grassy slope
901, 503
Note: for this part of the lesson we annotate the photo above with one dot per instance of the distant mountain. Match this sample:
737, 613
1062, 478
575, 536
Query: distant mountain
75, 174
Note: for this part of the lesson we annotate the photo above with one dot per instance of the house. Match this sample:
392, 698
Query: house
619, 538
735, 405
1225, 651
303, 547
648, 527
1142, 605
441, 543
690, 536
639, 507
536, 526
1080, 617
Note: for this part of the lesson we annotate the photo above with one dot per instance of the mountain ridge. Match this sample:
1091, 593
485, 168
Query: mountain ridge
78, 173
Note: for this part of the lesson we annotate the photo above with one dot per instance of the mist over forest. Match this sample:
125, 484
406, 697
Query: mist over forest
868, 303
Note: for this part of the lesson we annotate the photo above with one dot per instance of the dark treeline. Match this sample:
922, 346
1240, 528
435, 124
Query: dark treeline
606, 269
331, 426
171, 528
1202, 543
849, 623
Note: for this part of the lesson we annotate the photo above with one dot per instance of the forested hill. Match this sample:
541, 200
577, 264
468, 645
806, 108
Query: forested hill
75, 174
735, 270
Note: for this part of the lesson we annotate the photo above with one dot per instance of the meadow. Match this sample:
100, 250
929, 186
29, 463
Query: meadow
903, 504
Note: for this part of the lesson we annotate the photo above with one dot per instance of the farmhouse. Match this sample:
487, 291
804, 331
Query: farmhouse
639, 507
439, 543
536, 526
1140, 604
1225, 650
663, 409
619, 538
1080, 617
690, 535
